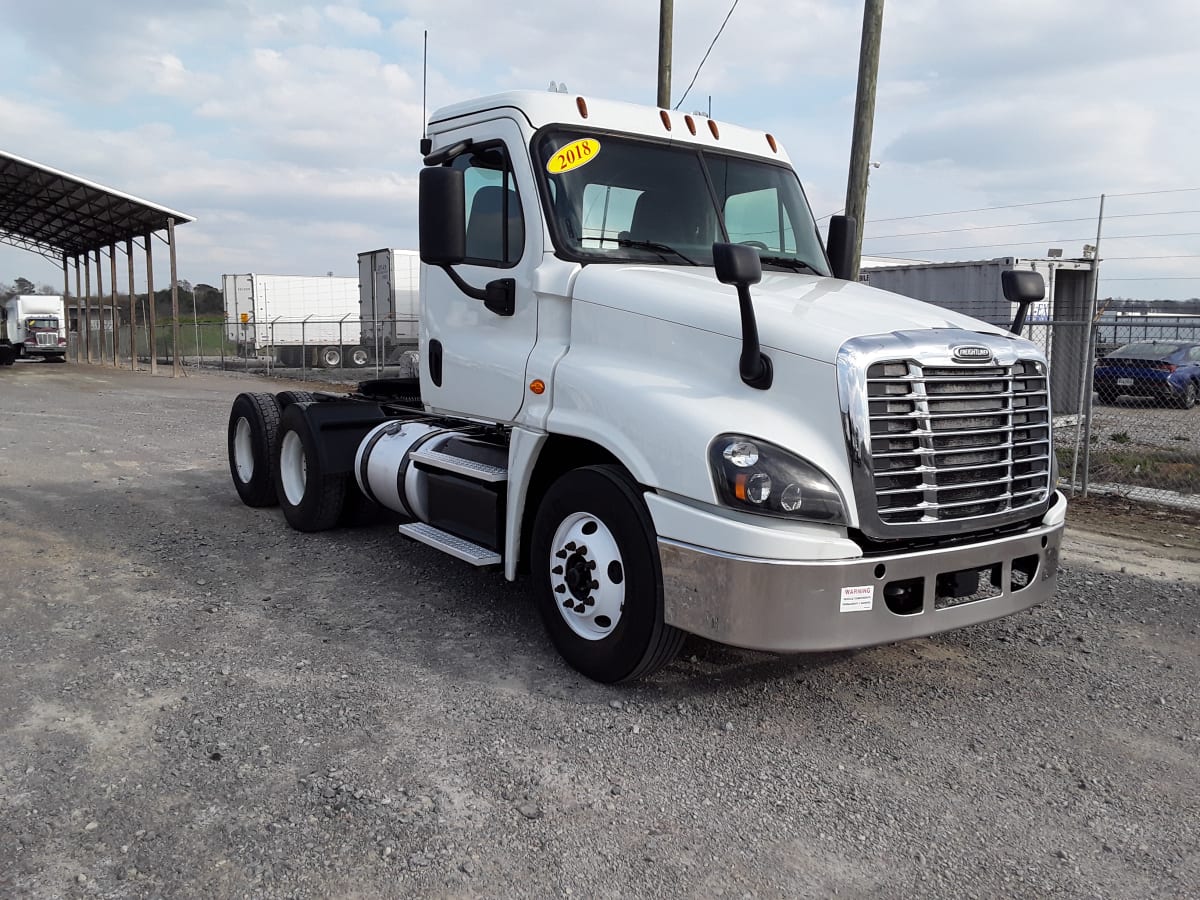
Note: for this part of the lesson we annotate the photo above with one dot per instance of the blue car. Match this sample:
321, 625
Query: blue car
1166, 370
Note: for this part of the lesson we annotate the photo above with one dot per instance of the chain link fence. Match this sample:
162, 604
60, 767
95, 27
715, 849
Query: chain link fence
332, 350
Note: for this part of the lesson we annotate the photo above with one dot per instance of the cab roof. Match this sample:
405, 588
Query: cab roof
541, 108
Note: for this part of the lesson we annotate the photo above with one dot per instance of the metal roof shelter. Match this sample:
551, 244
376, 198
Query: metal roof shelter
70, 219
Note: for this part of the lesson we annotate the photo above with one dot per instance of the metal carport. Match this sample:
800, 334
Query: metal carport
67, 218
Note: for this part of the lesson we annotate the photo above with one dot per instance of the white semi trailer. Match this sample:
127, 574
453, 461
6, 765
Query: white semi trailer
645, 383
389, 301
300, 320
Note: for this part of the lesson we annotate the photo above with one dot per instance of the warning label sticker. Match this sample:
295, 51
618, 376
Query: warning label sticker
857, 599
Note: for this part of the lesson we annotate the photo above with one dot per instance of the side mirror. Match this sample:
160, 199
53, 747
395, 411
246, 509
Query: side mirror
1022, 287
442, 216
736, 264
841, 246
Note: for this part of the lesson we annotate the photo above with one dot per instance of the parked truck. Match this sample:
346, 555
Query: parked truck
389, 301
299, 320
36, 327
646, 384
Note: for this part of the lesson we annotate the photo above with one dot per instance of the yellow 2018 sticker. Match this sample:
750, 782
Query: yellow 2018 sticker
575, 154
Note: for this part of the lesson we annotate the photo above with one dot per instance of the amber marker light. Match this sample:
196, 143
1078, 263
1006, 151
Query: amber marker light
666, 119
712, 126
537, 386
739, 487
771, 142
691, 123
581, 105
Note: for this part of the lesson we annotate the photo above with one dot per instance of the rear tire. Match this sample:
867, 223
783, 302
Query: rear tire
330, 357
311, 500
253, 445
360, 357
287, 398
598, 579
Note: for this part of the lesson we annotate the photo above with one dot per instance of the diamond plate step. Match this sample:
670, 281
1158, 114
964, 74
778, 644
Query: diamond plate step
448, 543
478, 470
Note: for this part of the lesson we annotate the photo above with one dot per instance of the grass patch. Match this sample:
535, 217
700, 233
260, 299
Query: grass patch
1163, 469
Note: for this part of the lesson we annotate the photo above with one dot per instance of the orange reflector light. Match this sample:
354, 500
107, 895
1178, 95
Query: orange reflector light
739, 487
691, 124
537, 386
712, 126
581, 105
771, 141
666, 119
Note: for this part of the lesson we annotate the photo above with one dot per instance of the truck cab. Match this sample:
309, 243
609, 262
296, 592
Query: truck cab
36, 326
642, 383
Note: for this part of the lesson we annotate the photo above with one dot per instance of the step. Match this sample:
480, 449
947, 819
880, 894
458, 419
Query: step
448, 543
447, 462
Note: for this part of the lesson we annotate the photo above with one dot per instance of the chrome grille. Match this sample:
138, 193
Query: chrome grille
47, 339
957, 442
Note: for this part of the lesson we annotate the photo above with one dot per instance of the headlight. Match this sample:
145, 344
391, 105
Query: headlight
758, 477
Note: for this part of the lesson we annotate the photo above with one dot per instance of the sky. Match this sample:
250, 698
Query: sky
290, 131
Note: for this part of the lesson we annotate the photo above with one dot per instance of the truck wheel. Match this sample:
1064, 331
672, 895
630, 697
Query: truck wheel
311, 500
360, 357
253, 443
287, 398
598, 579
330, 357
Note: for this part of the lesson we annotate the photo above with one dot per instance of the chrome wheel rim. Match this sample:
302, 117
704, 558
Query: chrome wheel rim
587, 576
243, 450
293, 468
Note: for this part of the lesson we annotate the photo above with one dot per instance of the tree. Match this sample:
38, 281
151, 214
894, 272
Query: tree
23, 286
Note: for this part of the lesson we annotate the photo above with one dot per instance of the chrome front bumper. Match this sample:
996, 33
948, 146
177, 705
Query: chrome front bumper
786, 606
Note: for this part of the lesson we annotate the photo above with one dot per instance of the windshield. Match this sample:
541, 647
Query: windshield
621, 199
51, 324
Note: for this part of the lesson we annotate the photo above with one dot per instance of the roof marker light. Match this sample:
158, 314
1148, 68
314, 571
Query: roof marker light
691, 124
771, 141
666, 119
581, 104
712, 126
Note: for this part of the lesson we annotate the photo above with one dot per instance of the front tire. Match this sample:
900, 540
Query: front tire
310, 498
598, 579
253, 444
1187, 399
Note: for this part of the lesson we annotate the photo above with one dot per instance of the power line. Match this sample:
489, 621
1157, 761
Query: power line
1176, 212
1176, 256
1155, 278
1107, 237
706, 52
955, 212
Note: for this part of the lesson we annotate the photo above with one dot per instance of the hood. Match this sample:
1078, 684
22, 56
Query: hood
804, 314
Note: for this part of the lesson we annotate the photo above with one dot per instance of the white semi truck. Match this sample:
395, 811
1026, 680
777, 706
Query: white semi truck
389, 301
645, 383
300, 320
36, 326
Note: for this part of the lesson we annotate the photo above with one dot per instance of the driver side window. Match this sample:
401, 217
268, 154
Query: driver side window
495, 225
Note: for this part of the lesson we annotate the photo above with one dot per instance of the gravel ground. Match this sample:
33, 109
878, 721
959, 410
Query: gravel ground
196, 701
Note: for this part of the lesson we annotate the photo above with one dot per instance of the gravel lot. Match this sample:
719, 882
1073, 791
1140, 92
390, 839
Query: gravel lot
196, 701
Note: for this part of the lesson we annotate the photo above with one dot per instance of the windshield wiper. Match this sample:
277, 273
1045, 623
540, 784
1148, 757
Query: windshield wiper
654, 246
788, 262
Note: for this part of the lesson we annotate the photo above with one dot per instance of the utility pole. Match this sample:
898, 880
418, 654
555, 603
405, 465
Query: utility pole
864, 120
666, 16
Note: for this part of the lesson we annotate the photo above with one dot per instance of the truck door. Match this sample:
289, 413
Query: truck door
473, 360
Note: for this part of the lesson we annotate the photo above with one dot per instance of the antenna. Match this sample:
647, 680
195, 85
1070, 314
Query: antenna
426, 143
